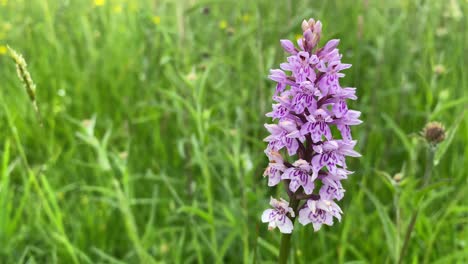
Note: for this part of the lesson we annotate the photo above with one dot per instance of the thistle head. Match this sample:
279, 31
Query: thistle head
434, 133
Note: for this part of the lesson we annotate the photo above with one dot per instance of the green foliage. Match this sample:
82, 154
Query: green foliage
153, 112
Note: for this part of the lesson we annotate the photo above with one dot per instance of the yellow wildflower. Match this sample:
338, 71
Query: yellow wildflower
117, 9
223, 24
3, 49
246, 18
156, 20
99, 2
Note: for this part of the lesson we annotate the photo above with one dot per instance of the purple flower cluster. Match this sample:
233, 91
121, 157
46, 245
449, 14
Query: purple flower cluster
309, 103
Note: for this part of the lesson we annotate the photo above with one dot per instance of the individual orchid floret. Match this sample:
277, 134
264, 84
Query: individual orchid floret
274, 172
340, 108
275, 168
329, 84
277, 217
338, 174
331, 154
279, 111
281, 78
318, 125
284, 134
300, 175
288, 46
304, 98
331, 189
351, 118
346, 93
319, 212
299, 66
328, 48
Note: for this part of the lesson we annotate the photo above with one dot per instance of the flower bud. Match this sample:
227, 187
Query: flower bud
312, 31
398, 177
288, 46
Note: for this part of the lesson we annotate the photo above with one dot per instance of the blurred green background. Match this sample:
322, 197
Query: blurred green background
151, 149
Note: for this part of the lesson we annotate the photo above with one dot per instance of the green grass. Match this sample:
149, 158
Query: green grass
167, 168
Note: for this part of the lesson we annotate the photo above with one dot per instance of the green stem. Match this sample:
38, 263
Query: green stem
408, 235
285, 246
396, 204
414, 217
429, 165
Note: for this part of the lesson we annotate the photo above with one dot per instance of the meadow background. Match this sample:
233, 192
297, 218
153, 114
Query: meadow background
151, 146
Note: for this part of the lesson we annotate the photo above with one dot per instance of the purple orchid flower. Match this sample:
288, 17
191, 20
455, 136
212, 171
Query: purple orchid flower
309, 143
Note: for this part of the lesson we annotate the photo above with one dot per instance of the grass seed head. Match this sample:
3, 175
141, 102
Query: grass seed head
25, 78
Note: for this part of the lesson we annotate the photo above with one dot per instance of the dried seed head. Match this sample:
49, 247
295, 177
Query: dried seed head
206, 10
434, 133
230, 31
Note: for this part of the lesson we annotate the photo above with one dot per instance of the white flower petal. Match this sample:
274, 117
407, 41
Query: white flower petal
286, 227
266, 216
317, 226
304, 216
